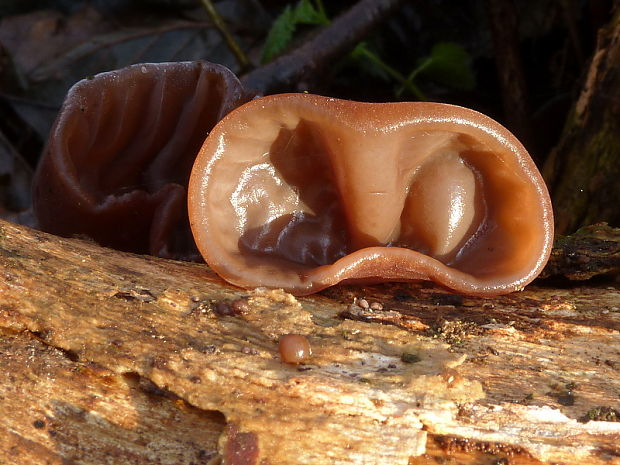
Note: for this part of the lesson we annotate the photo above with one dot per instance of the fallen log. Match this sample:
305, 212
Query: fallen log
112, 358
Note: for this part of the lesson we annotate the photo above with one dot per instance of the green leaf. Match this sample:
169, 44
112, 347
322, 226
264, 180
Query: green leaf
306, 13
280, 35
450, 65
283, 28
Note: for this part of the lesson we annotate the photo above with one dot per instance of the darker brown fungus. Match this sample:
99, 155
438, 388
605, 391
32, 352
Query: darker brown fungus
118, 158
302, 192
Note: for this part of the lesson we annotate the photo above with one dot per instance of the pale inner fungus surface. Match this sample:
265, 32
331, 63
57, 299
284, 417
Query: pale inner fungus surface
301, 192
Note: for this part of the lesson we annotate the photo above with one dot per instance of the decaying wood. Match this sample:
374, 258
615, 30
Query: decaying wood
593, 250
55, 409
582, 171
109, 355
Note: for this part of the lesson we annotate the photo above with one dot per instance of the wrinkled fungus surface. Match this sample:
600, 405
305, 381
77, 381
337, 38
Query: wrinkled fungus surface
301, 192
118, 158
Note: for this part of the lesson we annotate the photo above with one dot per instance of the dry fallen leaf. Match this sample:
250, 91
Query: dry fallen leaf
50, 51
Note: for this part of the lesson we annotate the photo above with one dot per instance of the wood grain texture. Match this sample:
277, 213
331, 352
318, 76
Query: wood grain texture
55, 409
134, 350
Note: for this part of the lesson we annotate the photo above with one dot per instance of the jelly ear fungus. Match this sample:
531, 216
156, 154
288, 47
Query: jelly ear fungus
301, 192
117, 162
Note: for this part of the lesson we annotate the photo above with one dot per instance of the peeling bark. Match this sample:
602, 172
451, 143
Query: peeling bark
592, 251
582, 171
136, 354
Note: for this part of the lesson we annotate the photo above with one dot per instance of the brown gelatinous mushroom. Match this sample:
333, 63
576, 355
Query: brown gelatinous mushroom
118, 159
300, 192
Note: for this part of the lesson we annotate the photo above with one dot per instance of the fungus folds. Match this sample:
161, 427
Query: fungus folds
300, 192
118, 158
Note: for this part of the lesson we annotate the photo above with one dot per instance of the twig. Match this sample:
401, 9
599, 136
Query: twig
220, 24
328, 45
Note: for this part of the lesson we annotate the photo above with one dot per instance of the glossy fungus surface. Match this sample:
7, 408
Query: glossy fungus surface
294, 348
301, 192
117, 162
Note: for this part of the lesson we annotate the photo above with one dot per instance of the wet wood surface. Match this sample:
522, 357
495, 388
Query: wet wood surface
115, 358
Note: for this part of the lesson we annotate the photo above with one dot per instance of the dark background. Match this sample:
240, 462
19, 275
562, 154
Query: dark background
528, 60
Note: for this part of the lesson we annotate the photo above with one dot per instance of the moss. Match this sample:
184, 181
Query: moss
582, 171
601, 414
586, 192
455, 332
590, 251
604, 150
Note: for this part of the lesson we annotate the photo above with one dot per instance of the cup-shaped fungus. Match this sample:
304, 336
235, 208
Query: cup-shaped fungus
301, 192
118, 159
